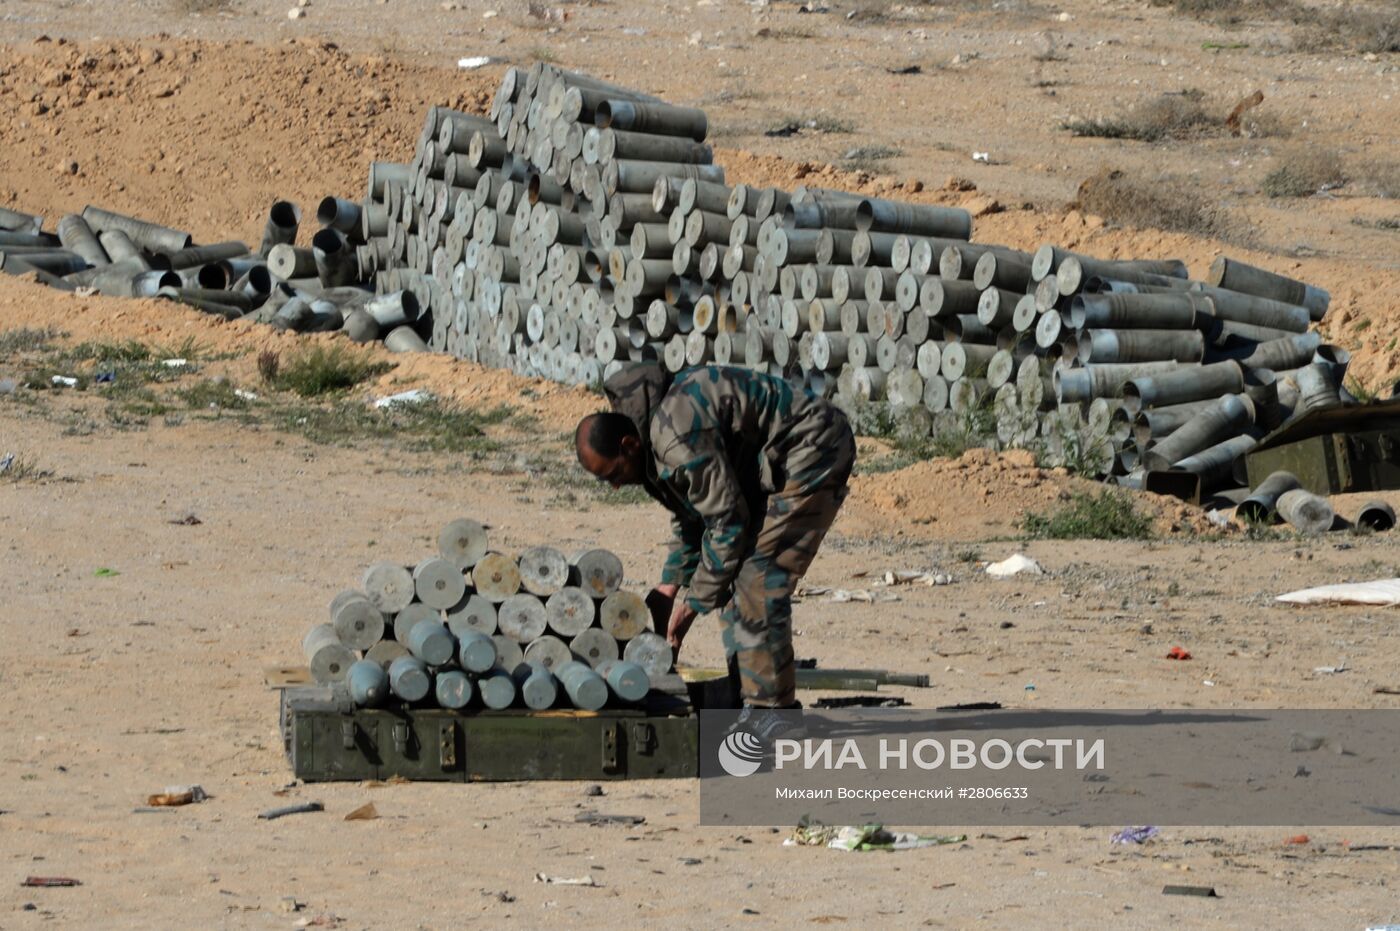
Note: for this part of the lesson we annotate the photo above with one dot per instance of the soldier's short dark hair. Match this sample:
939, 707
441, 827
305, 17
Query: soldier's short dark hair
604, 432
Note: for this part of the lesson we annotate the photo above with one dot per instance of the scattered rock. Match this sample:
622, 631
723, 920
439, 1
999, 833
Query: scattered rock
985, 206
366, 812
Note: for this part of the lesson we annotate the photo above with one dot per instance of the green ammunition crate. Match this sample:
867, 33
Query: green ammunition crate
1334, 450
327, 739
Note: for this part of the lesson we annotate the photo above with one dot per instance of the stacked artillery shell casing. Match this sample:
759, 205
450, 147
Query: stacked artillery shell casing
470, 627
579, 225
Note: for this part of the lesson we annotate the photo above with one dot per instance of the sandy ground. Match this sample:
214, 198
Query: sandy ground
117, 685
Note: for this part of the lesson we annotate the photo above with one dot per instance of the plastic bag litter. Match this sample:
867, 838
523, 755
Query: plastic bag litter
1382, 592
865, 838
1134, 835
1018, 564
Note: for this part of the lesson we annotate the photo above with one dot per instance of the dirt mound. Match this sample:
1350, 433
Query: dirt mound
206, 136
982, 494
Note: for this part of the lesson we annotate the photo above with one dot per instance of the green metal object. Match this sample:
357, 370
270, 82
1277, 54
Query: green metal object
327, 739
917, 680
830, 680
1335, 450
836, 680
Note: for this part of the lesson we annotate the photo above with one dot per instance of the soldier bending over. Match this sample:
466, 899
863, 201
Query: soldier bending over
753, 471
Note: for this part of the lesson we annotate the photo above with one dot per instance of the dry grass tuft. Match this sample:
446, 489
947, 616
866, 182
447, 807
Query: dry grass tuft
1376, 177
1167, 204
201, 7
1358, 27
1169, 116
1304, 172
869, 158
1373, 31
19, 468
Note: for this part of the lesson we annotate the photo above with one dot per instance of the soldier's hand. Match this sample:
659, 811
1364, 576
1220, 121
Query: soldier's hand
681, 619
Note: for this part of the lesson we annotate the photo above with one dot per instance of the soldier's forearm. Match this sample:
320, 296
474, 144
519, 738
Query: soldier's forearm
677, 573
681, 560
708, 591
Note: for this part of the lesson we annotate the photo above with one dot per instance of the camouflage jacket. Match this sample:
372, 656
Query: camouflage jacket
718, 440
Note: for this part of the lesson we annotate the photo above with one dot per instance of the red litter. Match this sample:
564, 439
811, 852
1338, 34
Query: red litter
49, 881
1178, 653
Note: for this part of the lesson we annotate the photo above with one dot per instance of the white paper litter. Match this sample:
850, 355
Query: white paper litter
65, 380
565, 881
414, 396
174, 363
474, 62
1381, 592
198, 793
846, 596
245, 395
1014, 565
916, 577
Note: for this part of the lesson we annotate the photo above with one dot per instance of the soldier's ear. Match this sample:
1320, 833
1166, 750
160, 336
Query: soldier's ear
630, 446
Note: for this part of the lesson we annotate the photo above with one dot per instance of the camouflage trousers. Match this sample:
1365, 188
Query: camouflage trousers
757, 623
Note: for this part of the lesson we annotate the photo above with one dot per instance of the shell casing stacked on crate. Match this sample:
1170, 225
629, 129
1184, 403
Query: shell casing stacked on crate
472, 627
489, 652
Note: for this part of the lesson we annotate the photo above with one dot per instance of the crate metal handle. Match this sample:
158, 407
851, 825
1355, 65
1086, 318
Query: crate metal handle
447, 744
611, 743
